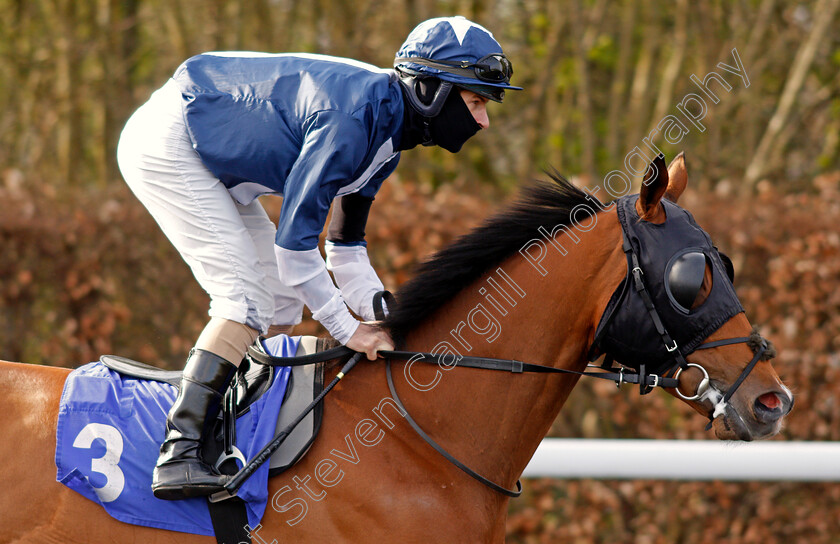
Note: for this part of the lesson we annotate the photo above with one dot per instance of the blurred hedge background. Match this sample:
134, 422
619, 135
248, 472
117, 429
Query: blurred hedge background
85, 271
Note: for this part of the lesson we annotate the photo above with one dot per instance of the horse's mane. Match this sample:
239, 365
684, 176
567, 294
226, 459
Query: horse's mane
540, 204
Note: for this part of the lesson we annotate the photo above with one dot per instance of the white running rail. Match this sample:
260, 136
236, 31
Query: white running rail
686, 460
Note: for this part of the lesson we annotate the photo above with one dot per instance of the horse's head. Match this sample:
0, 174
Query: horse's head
676, 314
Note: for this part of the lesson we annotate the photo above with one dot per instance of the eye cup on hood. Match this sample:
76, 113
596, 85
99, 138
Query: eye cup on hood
684, 278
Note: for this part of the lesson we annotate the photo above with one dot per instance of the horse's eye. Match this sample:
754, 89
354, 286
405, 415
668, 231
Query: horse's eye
684, 278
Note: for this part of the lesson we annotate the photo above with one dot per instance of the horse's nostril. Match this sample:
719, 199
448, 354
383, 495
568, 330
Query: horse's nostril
769, 401
769, 408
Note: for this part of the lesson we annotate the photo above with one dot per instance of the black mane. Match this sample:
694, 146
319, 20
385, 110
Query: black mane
540, 204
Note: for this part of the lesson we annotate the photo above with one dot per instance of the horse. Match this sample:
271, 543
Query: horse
368, 476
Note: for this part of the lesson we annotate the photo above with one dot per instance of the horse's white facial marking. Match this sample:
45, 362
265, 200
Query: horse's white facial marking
787, 392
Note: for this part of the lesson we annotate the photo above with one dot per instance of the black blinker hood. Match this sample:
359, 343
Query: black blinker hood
628, 330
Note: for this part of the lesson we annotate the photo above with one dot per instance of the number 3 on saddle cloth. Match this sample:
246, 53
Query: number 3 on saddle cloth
110, 427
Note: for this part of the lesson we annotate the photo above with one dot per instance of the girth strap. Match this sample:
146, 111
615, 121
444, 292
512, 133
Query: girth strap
230, 521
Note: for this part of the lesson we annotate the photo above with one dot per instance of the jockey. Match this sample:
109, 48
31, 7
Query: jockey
320, 131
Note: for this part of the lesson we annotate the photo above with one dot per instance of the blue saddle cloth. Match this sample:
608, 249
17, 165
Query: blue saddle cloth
109, 433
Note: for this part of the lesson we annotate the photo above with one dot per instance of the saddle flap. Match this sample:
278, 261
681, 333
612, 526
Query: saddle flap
252, 380
306, 383
136, 369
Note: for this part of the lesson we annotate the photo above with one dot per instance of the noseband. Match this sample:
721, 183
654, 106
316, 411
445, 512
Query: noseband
705, 383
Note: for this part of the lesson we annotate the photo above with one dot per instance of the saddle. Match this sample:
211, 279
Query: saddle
252, 380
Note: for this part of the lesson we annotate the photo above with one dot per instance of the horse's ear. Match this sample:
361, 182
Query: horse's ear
653, 188
677, 178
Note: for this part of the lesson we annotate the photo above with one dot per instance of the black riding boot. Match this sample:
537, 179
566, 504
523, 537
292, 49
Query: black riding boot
180, 472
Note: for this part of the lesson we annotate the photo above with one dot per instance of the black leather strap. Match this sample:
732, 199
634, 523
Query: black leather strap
746, 372
264, 358
517, 367
726, 342
466, 361
637, 273
381, 301
439, 448
230, 519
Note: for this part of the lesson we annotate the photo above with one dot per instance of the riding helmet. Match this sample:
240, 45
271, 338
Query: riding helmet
451, 51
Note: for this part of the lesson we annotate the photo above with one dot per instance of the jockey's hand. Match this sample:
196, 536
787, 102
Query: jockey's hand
370, 338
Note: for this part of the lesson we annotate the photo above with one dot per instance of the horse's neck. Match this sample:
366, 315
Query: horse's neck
492, 420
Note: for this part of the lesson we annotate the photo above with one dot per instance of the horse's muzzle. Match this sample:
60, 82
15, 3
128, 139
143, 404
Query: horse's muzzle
754, 419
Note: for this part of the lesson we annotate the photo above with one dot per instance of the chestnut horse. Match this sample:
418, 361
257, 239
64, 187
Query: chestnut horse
368, 476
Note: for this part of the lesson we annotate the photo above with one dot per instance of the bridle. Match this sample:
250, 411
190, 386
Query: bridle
620, 376
679, 362
646, 381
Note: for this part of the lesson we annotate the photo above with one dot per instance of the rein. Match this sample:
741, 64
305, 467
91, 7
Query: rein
620, 376
645, 380
509, 365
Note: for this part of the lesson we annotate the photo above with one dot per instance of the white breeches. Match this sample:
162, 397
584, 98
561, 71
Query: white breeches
228, 246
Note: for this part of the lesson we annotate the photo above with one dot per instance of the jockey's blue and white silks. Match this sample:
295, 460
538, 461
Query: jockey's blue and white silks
309, 127
109, 433
230, 126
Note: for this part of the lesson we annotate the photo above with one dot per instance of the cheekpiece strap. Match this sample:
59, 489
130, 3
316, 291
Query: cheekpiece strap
638, 281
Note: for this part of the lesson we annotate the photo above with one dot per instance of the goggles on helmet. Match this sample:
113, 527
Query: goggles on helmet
493, 68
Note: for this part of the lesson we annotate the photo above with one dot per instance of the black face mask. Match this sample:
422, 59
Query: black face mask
673, 258
454, 125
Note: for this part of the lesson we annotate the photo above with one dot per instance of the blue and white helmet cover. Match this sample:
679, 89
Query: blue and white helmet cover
449, 39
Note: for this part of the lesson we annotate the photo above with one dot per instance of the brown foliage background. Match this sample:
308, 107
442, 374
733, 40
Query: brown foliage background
94, 274
85, 271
